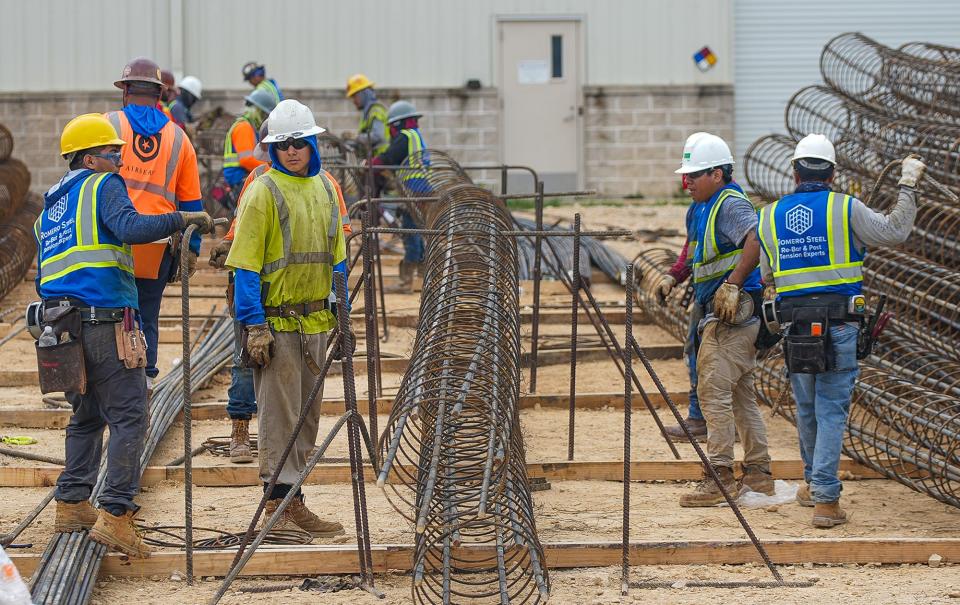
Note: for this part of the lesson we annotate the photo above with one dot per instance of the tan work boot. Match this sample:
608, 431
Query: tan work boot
708, 494
405, 285
285, 522
804, 498
697, 426
309, 522
240, 442
829, 514
74, 516
757, 479
120, 534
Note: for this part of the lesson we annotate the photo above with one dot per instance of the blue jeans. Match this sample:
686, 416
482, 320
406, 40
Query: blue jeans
241, 397
412, 243
823, 404
690, 350
150, 296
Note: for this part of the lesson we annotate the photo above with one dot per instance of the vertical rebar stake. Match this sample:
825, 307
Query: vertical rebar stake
537, 277
187, 406
574, 306
627, 421
370, 305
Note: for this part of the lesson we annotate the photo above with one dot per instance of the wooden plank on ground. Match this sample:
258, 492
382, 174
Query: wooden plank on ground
342, 559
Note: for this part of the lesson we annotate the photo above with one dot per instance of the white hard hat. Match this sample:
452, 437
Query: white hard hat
192, 85
702, 152
290, 119
815, 146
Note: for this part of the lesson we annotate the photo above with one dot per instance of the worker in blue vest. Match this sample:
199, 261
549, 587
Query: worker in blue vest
85, 262
813, 244
256, 75
407, 147
726, 281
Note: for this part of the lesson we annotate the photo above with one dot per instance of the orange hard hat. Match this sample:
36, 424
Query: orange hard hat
140, 69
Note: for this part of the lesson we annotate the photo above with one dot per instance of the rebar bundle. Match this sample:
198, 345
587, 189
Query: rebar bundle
453, 453
878, 105
68, 569
18, 245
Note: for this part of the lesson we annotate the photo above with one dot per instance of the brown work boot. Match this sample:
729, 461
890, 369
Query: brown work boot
285, 522
405, 285
697, 426
74, 516
804, 498
240, 442
120, 534
708, 494
829, 514
309, 522
757, 479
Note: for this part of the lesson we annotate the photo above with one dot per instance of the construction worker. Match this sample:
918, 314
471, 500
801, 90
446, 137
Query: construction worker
813, 246
288, 243
169, 92
191, 91
241, 139
241, 397
160, 170
256, 75
726, 281
372, 133
85, 262
405, 142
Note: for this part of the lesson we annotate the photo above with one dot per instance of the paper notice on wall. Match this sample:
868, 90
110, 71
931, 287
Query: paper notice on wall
533, 71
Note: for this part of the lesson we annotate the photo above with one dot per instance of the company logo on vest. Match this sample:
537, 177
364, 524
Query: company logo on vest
799, 219
56, 211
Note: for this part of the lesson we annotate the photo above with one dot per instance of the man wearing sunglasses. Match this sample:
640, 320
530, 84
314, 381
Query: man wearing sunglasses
288, 242
85, 261
726, 281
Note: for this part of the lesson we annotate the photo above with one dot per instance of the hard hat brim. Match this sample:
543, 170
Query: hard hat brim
356, 89
283, 136
813, 156
689, 169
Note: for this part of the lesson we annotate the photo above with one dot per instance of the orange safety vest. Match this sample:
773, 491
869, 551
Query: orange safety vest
159, 171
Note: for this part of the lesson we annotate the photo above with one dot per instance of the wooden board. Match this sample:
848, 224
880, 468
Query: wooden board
341, 559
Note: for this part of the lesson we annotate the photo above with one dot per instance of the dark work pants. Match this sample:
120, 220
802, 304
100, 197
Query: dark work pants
241, 397
150, 294
116, 397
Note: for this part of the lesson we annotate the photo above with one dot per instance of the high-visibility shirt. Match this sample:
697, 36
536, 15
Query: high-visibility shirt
414, 178
375, 113
270, 85
238, 147
165, 108
344, 215
713, 259
288, 231
809, 241
160, 172
78, 256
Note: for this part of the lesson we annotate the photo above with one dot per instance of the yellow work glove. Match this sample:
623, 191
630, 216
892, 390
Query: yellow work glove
218, 256
726, 301
17, 440
911, 171
259, 344
191, 263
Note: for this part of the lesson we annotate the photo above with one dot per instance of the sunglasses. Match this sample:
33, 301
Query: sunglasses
288, 143
696, 175
113, 156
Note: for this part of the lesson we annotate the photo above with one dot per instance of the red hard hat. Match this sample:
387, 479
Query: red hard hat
140, 69
166, 76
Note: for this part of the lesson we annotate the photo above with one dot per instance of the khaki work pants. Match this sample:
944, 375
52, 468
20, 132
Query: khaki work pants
282, 389
725, 367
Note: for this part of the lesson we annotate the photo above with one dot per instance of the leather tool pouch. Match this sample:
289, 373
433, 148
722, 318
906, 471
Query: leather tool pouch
61, 366
131, 342
805, 353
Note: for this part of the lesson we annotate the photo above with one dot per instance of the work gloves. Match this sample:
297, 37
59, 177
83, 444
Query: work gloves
191, 262
202, 220
911, 171
726, 302
259, 344
661, 286
218, 256
770, 292
341, 350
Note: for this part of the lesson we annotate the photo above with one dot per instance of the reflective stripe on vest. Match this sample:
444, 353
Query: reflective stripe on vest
283, 216
231, 158
714, 264
87, 250
119, 121
841, 268
414, 157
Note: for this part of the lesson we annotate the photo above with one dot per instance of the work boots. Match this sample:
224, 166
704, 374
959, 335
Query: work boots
240, 442
119, 533
309, 522
707, 493
757, 479
829, 514
804, 498
405, 286
74, 516
697, 426
285, 522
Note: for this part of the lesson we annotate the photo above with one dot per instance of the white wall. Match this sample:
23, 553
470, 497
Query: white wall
71, 45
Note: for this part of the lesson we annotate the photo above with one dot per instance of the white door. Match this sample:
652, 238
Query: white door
540, 103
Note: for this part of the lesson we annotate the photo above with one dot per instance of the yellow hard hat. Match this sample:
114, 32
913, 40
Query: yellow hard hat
356, 83
88, 131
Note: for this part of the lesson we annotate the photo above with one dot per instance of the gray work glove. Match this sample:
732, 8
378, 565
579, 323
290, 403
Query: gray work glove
259, 343
726, 301
770, 292
202, 220
191, 263
911, 171
661, 286
218, 256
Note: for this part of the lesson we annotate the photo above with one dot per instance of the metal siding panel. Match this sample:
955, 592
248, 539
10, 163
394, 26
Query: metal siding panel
777, 48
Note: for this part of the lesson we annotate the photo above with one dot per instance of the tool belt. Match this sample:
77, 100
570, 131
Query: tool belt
93, 315
807, 345
835, 307
297, 310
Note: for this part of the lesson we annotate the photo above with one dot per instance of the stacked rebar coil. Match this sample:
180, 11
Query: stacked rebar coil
18, 211
453, 453
878, 105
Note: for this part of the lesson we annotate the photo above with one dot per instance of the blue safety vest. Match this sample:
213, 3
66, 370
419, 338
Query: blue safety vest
808, 239
414, 178
713, 259
79, 257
